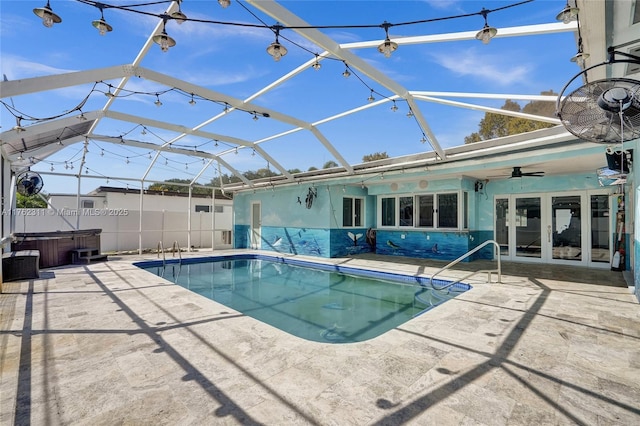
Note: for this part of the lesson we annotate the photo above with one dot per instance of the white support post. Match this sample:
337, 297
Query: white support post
140, 217
213, 219
189, 220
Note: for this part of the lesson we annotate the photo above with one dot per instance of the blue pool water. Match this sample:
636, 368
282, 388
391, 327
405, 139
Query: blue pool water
323, 303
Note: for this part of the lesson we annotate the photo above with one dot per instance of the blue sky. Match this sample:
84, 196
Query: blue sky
232, 60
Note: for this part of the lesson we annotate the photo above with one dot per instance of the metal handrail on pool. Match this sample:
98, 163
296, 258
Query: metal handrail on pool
467, 254
175, 247
161, 249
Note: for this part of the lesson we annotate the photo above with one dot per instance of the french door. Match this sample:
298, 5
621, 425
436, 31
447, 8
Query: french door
565, 228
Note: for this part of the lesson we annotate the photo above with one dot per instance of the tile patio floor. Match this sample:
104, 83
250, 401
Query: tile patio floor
108, 344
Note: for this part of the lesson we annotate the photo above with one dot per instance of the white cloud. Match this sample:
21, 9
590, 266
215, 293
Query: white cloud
486, 67
15, 67
444, 4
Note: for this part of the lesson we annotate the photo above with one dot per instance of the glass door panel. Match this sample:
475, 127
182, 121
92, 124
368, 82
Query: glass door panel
566, 227
502, 225
600, 250
528, 227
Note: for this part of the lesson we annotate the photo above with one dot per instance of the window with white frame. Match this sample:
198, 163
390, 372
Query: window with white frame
437, 211
218, 209
352, 210
87, 204
202, 208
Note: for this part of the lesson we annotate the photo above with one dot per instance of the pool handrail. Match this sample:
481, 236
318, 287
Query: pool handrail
467, 254
175, 246
160, 248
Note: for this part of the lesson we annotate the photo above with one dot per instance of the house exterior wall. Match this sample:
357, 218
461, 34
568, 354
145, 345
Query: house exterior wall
289, 227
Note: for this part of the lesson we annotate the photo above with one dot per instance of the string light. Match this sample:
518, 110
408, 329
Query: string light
388, 46
275, 49
163, 40
178, 16
394, 108
346, 73
101, 25
371, 98
48, 17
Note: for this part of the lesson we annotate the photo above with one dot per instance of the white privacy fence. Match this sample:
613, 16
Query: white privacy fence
122, 229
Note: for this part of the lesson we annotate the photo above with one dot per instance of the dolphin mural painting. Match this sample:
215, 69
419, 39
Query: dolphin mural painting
354, 237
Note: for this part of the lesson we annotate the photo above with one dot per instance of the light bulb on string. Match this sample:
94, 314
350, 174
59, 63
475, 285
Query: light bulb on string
101, 25
48, 17
346, 73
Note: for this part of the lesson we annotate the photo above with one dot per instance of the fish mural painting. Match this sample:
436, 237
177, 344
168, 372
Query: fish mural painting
430, 245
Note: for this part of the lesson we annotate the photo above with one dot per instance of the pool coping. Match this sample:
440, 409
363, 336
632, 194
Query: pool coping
420, 280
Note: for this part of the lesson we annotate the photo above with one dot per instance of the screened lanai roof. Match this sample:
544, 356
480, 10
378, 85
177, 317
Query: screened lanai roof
117, 108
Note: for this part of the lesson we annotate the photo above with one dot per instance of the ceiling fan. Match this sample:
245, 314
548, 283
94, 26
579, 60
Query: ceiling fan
518, 173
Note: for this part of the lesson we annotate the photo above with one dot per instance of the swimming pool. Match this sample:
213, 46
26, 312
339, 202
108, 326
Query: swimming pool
318, 302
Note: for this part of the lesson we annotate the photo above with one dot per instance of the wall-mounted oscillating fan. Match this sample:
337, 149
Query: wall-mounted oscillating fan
602, 111
29, 183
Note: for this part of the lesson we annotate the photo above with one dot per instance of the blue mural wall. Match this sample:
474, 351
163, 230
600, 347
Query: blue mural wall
241, 236
426, 245
289, 225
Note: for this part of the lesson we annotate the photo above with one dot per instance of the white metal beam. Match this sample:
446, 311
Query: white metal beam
526, 30
489, 109
51, 82
176, 150
287, 18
